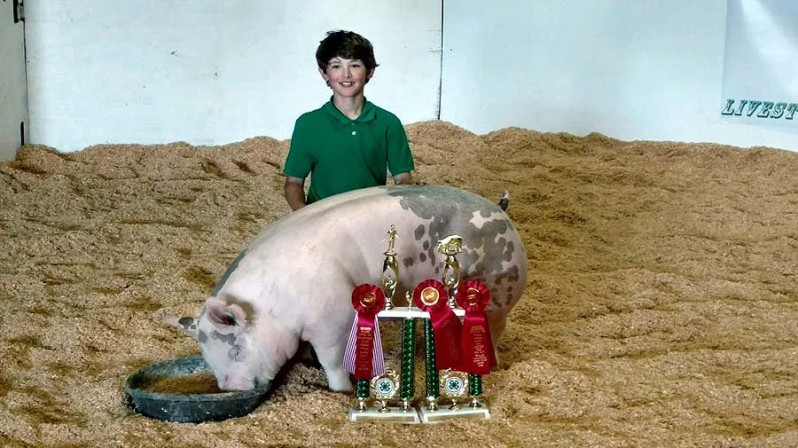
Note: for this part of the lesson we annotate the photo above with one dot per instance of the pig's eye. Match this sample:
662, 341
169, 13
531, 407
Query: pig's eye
235, 353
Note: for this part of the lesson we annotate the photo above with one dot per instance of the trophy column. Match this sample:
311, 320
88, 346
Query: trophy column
407, 378
456, 385
387, 387
433, 390
362, 393
475, 389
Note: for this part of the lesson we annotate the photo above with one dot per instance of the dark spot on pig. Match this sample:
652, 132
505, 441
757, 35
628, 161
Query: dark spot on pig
422, 257
246, 307
511, 277
426, 245
408, 262
202, 337
449, 211
419, 233
229, 271
229, 339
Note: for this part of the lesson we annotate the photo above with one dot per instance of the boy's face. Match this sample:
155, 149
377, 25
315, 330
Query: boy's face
347, 77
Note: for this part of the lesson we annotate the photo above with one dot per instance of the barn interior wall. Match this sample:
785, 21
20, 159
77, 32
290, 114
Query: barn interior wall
213, 72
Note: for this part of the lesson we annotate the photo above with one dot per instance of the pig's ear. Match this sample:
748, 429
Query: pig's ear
187, 325
224, 315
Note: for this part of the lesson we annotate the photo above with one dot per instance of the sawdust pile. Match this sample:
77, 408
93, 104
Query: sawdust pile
661, 310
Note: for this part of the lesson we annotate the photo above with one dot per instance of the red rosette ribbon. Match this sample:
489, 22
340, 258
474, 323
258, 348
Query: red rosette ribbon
363, 356
476, 344
430, 295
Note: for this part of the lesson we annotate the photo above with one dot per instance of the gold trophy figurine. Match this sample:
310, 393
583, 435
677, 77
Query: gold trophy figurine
389, 278
450, 247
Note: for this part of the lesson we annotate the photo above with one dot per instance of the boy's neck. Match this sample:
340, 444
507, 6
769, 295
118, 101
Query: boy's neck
351, 107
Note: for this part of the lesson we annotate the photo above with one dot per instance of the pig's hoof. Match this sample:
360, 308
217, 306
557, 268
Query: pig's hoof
341, 385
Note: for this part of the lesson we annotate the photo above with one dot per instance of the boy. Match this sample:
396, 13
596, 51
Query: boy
348, 142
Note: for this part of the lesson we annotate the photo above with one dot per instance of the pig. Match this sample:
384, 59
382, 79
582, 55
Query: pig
295, 279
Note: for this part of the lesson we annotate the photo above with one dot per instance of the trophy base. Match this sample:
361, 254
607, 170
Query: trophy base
393, 414
462, 411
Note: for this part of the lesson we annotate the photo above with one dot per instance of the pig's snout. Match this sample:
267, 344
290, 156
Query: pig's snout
232, 383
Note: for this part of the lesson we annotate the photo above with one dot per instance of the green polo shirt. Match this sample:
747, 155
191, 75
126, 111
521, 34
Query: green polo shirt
342, 154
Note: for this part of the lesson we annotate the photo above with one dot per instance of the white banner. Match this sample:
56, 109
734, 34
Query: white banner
760, 75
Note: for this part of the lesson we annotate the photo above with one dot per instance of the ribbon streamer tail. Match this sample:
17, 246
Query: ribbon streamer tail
378, 362
349, 354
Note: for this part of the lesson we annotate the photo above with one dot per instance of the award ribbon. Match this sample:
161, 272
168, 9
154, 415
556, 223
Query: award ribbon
363, 356
476, 345
430, 295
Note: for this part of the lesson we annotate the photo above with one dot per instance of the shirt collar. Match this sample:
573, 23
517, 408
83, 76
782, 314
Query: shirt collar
367, 114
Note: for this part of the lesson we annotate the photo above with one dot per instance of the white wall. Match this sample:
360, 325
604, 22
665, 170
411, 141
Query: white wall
633, 70
216, 71
13, 100
760, 86
212, 71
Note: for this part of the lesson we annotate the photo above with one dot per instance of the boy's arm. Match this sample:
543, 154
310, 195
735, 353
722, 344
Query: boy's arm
294, 191
403, 179
400, 158
298, 163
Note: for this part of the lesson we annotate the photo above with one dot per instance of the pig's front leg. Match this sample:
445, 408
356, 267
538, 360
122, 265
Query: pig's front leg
330, 353
329, 342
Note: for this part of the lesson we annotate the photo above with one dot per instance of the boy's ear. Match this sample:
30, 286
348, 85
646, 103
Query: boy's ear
370, 74
323, 73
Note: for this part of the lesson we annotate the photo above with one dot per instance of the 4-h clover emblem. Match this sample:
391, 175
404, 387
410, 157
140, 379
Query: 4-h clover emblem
385, 386
454, 383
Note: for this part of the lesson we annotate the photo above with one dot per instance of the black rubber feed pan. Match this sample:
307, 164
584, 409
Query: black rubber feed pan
187, 407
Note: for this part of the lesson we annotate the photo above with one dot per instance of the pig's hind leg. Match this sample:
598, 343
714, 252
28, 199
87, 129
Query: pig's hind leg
306, 355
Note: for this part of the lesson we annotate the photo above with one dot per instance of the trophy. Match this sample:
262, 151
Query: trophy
392, 394
449, 376
456, 354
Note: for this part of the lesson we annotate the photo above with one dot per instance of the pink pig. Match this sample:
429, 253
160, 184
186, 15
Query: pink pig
294, 281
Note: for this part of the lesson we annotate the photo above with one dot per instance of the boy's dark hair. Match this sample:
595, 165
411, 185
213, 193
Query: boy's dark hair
347, 45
